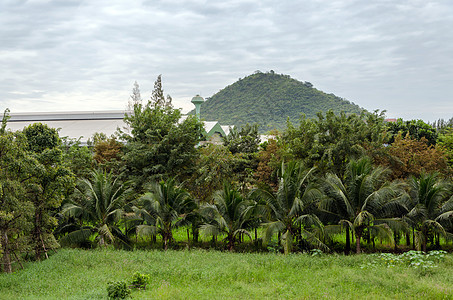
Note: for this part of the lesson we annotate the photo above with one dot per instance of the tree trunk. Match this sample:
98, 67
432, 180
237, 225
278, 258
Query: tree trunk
188, 237
194, 233
357, 241
424, 242
396, 240
167, 237
230, 243
37, 234
347, 248
408, 239
6, 255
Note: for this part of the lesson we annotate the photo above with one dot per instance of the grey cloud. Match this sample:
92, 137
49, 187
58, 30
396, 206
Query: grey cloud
383, 54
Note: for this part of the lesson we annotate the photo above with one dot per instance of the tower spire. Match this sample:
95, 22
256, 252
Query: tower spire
197, 101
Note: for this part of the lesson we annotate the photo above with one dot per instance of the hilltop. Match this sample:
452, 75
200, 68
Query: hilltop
269, 99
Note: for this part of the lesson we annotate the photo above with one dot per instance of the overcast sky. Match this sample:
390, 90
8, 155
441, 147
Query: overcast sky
85, 55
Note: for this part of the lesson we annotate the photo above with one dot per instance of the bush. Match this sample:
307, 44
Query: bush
139, 280
118, 290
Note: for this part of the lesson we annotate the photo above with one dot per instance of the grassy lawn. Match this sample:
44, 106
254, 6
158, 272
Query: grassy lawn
200, 274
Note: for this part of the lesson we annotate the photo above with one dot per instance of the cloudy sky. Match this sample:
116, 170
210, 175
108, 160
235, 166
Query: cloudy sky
85, 55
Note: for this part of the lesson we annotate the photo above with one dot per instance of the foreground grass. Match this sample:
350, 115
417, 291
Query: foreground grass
199, 274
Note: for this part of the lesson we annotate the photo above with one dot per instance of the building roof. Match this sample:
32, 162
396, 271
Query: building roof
73, 125
83, 124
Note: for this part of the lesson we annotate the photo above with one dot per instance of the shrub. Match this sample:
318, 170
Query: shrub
139, 280
424, 263
118, 290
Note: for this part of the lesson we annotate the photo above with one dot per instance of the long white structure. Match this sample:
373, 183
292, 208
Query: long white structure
83, 124
73, 125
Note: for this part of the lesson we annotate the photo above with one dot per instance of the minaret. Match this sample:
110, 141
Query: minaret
197, 100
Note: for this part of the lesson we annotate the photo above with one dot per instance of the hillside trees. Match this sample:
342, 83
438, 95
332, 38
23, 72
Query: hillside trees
268, 99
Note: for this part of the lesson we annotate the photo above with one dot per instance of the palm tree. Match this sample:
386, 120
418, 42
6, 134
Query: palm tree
164, 208
227, 215
364, 200
96, 209
430, 208
289, 208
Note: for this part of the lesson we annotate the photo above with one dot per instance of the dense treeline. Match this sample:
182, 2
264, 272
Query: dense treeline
269, 99
337, 182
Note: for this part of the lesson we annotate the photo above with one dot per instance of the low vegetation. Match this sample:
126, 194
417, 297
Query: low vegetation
200, 274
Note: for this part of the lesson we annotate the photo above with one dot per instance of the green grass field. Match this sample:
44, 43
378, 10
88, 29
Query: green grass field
200, 274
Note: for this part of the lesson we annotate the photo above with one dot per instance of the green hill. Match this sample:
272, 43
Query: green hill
269, 99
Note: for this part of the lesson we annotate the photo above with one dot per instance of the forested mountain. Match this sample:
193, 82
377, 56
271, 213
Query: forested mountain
269, 99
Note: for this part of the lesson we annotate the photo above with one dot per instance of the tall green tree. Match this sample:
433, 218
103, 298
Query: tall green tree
445, 140
157, 98
160, 144
96, 208
331, 141
416, 129
213, 166
51, 181
15, 209
135, 97
78, 158
243, 140
363, 201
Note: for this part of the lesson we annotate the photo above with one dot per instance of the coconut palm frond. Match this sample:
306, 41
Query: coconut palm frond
209, 230
106, 233
382, 231
395, 224
271, 228
286, 241
315, 241
147, 230
242, 231
309, 221
330, 230
72, 210
363, 218
434, 225
76, 237
445, 216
